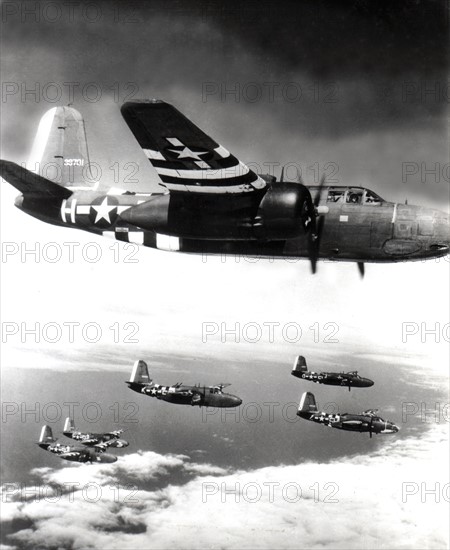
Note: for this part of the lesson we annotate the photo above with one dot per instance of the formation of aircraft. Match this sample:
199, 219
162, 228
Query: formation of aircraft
212, 203
73, 453
92, 446
202, 396
98, 440
348, 379
368, 421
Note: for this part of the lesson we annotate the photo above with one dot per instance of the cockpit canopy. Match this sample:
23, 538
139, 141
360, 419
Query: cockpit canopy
353, 195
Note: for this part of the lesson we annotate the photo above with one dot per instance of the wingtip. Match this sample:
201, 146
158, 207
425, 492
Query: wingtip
136, 102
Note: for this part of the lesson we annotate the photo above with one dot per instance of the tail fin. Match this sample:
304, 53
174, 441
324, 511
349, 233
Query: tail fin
46, 436
139, 374
60, 152
299, 366
307, 404
69, 426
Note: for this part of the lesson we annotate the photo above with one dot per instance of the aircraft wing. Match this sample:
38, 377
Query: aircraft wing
101, 447
89, 441
70, 454
185, 158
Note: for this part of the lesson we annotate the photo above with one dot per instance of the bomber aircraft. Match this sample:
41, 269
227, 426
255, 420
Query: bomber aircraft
368, 421
73, 453
97, 440
349, 379
209, 202
202, 396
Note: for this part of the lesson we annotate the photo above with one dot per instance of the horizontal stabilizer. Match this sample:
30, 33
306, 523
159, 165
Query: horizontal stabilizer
31, 184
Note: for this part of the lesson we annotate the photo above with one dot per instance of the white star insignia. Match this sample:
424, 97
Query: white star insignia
103, 210
187, 153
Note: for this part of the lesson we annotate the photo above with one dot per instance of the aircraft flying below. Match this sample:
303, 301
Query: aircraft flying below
368, 421
348, 379
97, 440
180, 394
210, 202
74, 453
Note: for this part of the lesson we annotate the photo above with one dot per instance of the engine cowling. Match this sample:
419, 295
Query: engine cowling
283, 212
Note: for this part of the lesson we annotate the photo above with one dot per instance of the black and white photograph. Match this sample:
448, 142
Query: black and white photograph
225, 275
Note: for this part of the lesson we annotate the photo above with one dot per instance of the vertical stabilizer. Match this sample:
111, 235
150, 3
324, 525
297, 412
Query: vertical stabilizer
139, 374
69, 426
299, 366
46, 435
307, 405
60, 152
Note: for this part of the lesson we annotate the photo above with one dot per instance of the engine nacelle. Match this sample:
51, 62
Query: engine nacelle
282, 211
279, 214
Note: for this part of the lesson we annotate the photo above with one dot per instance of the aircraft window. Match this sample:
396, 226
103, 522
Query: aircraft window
335, 195
372, 198
354, 196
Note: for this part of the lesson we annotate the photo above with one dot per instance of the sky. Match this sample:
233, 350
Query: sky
362, 75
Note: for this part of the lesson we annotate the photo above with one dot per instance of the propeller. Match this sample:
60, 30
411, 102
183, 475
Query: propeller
222, 385
361, 269
282, 174
315, 227
371, 427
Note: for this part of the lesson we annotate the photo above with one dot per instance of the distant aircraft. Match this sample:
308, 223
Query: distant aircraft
349, 379
202, 396
97, 440
368, 421
211, 203
71, 452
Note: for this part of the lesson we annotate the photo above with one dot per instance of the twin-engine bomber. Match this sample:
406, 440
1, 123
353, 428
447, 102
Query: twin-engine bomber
210, 202
348, 379
202, 396
100, 441
368, 421
73, 453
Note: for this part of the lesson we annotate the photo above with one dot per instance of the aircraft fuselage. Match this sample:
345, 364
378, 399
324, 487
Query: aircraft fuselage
351, 422
370, 230
202, 396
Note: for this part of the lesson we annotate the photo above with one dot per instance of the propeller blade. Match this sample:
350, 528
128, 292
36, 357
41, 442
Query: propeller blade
282, 174
319, 191
314, 242
315, 227
361, 269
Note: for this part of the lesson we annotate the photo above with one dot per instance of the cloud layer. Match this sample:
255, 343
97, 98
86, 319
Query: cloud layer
357, 502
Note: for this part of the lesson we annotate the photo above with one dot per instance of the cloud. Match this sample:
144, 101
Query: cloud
354, 502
